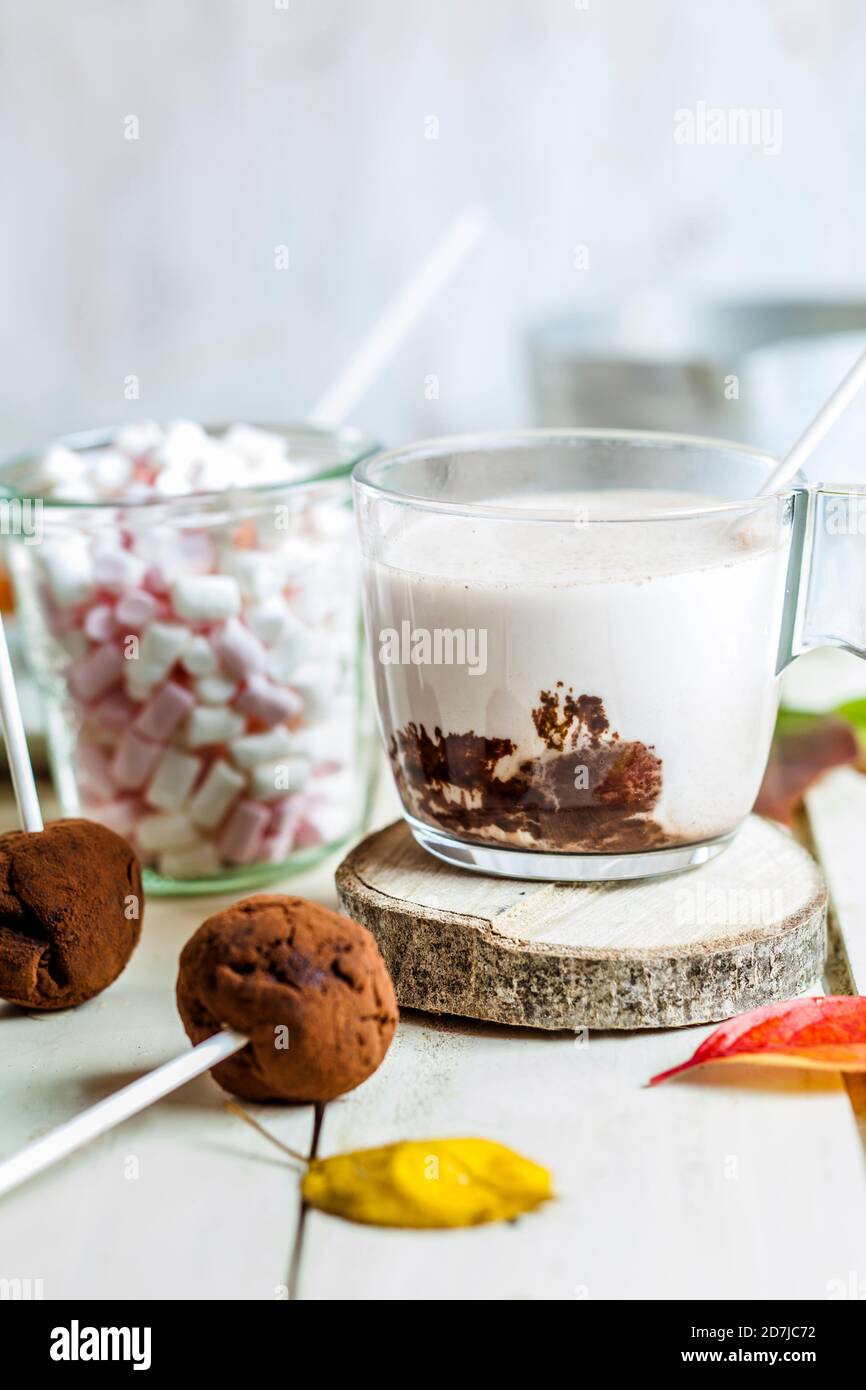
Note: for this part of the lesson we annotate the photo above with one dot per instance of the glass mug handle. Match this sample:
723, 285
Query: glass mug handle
825, 595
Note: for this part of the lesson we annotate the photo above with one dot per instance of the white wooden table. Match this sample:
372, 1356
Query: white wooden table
720, 1186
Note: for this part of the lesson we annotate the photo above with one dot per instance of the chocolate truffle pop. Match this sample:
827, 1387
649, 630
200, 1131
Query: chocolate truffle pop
307, 987
70, 893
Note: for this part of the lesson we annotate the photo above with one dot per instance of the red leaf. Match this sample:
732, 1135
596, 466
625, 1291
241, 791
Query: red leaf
827, 1033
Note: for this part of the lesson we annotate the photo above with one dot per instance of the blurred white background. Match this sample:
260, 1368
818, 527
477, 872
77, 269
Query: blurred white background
305, 124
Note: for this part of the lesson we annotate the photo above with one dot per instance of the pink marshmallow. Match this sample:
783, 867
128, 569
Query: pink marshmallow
92, 675
135, 610
121, 815
162, 714
280, 839
307, 835
99, 623
243, 832
241, 654
93, 763
114, 713
155, 581
269, 703
134, 761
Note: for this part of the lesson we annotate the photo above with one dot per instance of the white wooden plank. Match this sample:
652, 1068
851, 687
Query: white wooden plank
734, 1185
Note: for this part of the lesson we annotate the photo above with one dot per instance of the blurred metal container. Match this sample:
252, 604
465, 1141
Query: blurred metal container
669, 365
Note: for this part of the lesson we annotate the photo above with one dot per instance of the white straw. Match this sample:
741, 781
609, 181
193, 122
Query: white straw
111, 1111
822, 423
23, 781
382, 341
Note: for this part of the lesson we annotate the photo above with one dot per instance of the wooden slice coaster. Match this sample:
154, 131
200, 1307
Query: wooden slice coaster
744, 930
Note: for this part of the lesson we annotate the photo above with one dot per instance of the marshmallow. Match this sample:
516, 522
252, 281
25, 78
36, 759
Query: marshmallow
198, 861
139, 438
99, 623
219, 789
200, 658
243, 832
110, 471
289, 652
162, 645
161, 716
114, 713
261, 748
212, 724
183, 443
69, 572
94, 763
258, 447
175, 776
271, 781
166, 832
268, 703
135, 610
278, 842
118, 571
215, 690
257, 573
134, 761
270, 619
204, 597
240, 653
94, 674
141, 677
120, 815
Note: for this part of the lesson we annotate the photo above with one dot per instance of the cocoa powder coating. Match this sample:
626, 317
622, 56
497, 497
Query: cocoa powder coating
306, 985
70, 912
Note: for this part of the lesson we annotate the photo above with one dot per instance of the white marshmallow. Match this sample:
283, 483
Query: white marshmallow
257, 446
270, 619
271, 781
119, 571
200, 658
198, 861
157, 833
216, 690
162, 645
110, 471
289, 653
212, 724
257, 573
203, 597
141, 677
69, 572
219, 789
139, 438
261, 748
61, 465
184, 442
173, 780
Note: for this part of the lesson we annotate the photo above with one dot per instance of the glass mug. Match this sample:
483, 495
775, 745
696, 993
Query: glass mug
271, 766
578, 637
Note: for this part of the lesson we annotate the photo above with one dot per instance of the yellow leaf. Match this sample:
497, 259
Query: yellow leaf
427, 1183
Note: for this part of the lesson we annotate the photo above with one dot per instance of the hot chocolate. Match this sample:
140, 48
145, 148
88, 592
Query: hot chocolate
605, 687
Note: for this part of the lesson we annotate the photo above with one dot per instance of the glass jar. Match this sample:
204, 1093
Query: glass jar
200, 663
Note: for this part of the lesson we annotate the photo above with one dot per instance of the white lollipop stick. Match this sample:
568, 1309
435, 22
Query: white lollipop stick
15, 739
823, 422
114, 1109
382, 341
